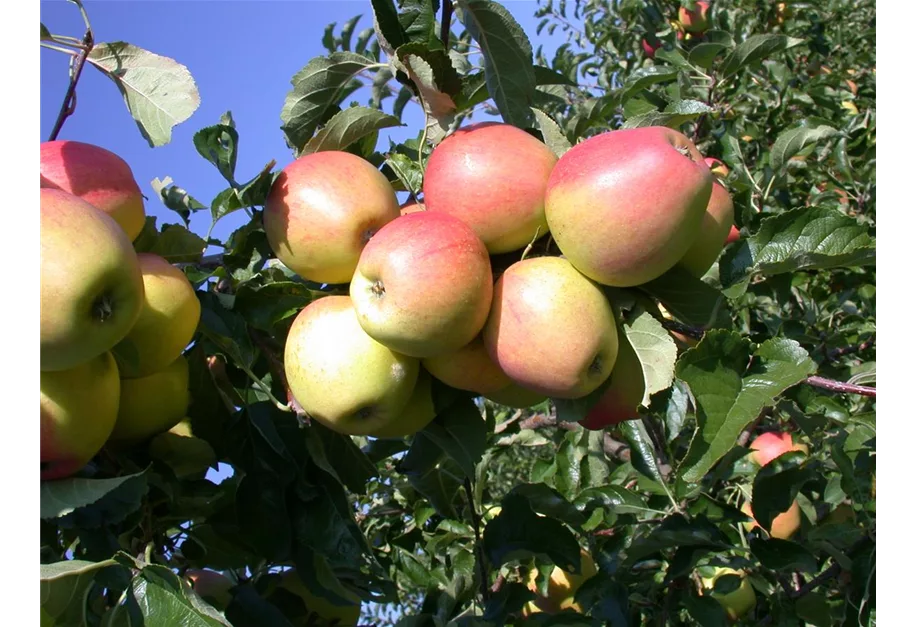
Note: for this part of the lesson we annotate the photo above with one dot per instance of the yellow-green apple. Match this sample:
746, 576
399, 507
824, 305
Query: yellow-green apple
516, 396
91, 287
737, 603
694, 19
562, 587
714, 230
211, 586
624, 394
341, 376
320, 611
784, 524
412, 206
167, 320
551, 329
625, 206
468, 368
98, 176
719, 169
79, 407
187, 455
417, 414
322, 210
423, 285
492, 176
152, 404
768, 446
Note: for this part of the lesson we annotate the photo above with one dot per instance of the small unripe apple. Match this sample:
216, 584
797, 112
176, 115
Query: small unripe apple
694, 20
784, 525
737, 603
768, 446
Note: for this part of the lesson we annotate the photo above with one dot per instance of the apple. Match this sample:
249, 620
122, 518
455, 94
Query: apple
516, 396
694, 20
625, 206
167, 322
551, 329
188, 456
734, 235
624, 393
321, 211
737, 603
715, 228
562, 588
411, 206
211, 586
423, 286
98, 176
719, 169
784, 526
492, 176
152, 404
319, 610
649, 49
770, 445
417, 414
79, 407
91, 286
341, 376
468, 368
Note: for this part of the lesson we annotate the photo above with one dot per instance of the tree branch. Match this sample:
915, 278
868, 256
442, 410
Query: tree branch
838, 386
446, 23
277, 370
69, 104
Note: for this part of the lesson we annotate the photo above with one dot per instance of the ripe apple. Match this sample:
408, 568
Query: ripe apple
416, 415
319, 610
737, 603
211, 586
322, 210
469, 368
624, 393
79, 407
98, 176
770, 445
423, 285
695, 19
516, 396
492, 176
783, 526
734, 235
91, 287
562, 588
341, 376
715, 227
411, 206
649, 49
167, 322
551, 329
152, 404
625, 206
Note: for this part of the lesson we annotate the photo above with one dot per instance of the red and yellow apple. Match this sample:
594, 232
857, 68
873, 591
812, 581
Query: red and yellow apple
715, 228
770, 445
152, 404
737, 603
469, 368
694, 19
417, 414
784, 525
624, 393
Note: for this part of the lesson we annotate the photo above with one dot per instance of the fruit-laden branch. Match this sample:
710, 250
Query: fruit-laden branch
446, 23
69, 104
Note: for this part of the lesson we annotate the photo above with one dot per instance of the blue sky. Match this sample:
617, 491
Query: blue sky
242, 54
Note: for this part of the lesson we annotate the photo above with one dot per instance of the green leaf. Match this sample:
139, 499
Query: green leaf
418, 22
349, 126
158, 91
45, 33
545, 500
642, 78
218, 144
612, 498
553, 136
407, 170
686, 297
64, 586
675, 114
176, 198
337, 455
705, 53
175, 242
254, 193
226, 330
388, 28
656, 350
643, 454
461, 433
777, 484
347, 31
802, 239
438, 105
440, 485
777, 554
164, 602
61, 497
318, 89
518, 533
676, 531
730, 392
507, 58
791, 142
754, 49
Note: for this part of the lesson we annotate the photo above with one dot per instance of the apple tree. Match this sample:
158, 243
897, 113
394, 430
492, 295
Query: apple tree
740, 487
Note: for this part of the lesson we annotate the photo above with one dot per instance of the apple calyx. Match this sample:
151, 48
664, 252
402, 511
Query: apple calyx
103, 308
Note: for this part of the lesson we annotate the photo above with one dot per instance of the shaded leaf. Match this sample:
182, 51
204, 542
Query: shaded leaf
61, 497
518, 533
218, 144
553, 135
64, 586
777, 554
348, 126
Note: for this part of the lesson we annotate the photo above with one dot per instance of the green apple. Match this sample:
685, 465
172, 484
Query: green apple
79, 407
98, 176
341, 376
625, 206
551, 330
322, 210
492, 176
737, 603
516, 396
167, 322
562, 587
423, 285
319, 611
417, 414
91, 287
152, 404
468, 368
714, 230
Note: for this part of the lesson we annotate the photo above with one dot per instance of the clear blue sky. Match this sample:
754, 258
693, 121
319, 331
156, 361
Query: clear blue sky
242, 55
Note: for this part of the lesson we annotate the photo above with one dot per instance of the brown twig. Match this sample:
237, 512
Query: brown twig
446, 23
498, 584
853, 348
69, 104
838, 386
695, 333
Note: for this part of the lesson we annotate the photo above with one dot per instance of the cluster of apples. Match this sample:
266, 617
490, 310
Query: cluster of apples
623, 207
101, 300
692, 22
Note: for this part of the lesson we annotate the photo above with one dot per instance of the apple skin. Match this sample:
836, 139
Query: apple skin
91, 286
492, 176
648, 49
411, 206
211, 586
545, 312
417, 414
152, 404
714, 230
469, 368
737, 603
769, 446
562, 588
624, 394
167, 322
625, 206
341, 376
734, 235
322, 210
321, 611
79, 407
98, 176
784, 526
423, 286
516, 396
694, 21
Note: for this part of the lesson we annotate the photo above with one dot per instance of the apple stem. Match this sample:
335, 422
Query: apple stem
69, 104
